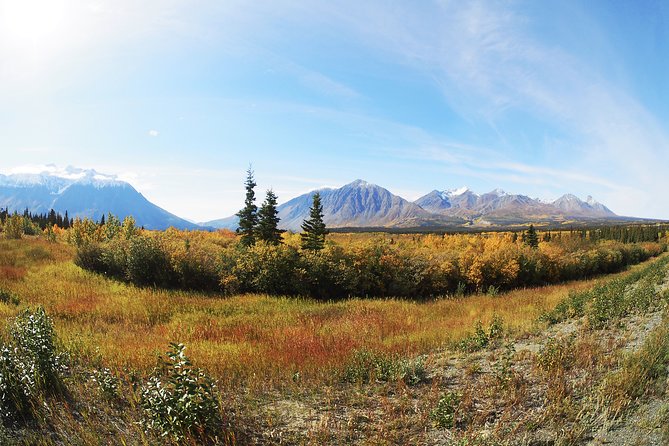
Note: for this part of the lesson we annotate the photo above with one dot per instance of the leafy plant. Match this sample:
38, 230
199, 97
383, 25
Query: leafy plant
444, 415
365, 366
481, 338
107, 381
35, 339
28, 366
8, 297
179, 400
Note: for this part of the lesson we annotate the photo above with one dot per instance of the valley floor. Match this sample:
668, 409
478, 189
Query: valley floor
578, 363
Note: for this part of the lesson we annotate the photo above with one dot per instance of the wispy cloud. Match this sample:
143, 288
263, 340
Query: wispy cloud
487, 61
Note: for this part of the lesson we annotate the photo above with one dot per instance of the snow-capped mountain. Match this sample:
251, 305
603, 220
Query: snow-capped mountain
362, 204
574, 206
499, 204
357, 204
82, 193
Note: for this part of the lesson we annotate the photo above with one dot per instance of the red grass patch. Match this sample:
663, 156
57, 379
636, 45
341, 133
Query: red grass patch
12, 272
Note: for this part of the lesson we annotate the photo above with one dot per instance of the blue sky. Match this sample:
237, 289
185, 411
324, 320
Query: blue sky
541, 98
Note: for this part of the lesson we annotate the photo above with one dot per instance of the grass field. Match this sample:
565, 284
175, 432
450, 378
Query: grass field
260, 349
249, 339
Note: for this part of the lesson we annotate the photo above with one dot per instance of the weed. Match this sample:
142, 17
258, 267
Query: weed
444, 415
8, 297
502, 369
556, 354
179, 400
481, 338
107, 381
365, 366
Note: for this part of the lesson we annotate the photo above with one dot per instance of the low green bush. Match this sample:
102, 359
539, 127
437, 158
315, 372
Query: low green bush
8, 297
482, 338
107, 382
29, 366
366, 366
444, 415
179, 400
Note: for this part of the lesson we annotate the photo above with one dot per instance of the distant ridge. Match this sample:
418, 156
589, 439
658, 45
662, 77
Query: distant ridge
360, 204
83, 193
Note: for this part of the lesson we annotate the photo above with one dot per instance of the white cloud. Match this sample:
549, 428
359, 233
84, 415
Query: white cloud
153, 133
487, 62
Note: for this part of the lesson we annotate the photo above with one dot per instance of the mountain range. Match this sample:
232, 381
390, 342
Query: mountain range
361, 204
87, 193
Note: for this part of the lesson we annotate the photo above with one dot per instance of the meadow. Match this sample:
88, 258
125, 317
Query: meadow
245, 339
255, 344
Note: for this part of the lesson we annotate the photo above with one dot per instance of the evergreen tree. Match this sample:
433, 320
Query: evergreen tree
531, 237
248, 216
313, 229
267, 229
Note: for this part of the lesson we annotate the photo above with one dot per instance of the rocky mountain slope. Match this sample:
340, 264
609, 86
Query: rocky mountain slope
362, 204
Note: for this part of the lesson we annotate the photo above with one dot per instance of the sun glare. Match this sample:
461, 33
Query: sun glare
35, 28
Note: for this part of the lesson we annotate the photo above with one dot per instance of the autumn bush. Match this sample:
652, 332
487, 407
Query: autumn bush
375, 265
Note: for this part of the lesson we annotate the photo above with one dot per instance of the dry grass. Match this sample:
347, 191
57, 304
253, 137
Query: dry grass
250, 339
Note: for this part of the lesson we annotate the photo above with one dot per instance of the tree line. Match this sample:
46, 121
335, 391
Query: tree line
42, 220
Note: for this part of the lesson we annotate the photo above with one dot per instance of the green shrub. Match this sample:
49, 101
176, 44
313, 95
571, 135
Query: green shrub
17, 384
196, 273
179, 400
444, 415
481, 338
8, 297
14, 227
89, 256
328, 273
147, 264
28, 366
107, 381
267, 268
35, 338
366, 366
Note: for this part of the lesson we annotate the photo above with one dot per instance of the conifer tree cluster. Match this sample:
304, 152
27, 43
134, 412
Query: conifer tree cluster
42, 220
262, 223
258, 224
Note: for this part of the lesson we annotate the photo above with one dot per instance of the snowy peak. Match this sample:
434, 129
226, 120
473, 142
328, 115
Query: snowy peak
456, 192
56, 180
358, 183
464, 203
82, 193
573, 206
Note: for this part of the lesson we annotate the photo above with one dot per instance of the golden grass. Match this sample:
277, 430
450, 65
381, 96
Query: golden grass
251, 339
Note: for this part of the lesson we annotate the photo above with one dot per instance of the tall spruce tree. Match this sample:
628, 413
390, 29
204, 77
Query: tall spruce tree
268, 221
531, 237
248, 216
313, 229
